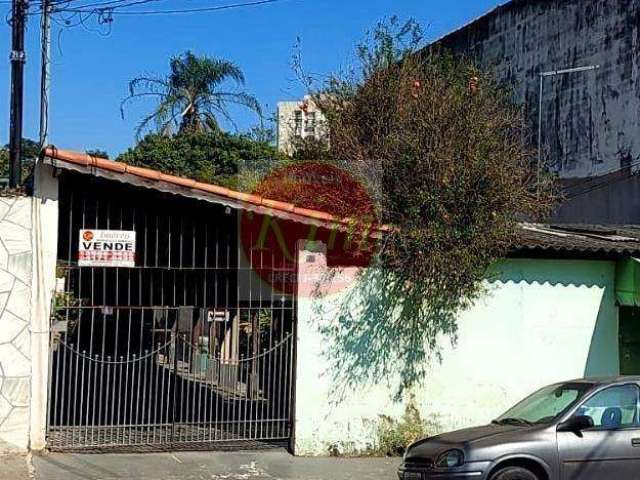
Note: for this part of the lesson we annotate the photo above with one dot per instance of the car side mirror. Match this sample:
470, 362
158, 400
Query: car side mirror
576, 424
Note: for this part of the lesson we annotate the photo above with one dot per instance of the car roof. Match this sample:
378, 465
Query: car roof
607, 380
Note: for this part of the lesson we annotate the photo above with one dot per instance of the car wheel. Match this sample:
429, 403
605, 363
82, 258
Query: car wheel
514, 473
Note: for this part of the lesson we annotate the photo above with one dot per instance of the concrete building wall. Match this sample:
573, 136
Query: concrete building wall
311, 123
603, 200
541, 321
591, 120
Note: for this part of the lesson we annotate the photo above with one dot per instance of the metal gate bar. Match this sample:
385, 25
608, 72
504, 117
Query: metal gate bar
190, 348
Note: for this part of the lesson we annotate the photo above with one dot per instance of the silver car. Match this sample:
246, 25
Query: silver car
586, 429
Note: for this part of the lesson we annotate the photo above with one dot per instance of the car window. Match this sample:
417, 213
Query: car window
549, 406
548, 403
615, 407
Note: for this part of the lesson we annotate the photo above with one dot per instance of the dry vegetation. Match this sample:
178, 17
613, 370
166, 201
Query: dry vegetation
447, 158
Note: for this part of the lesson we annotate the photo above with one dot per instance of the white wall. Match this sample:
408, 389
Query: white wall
15, 317
45, 248
27, 225
541, 321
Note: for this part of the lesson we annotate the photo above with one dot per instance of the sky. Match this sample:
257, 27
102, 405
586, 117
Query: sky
91, 66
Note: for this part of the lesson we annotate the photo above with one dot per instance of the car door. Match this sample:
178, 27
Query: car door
611, 449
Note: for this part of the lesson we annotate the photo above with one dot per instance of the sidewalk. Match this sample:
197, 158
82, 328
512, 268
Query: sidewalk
272, 465
15, 467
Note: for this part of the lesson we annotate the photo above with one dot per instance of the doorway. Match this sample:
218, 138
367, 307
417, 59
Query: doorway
629, 337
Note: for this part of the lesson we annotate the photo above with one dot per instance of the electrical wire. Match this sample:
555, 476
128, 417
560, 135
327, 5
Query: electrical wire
110, 3
92, 8
117, 9
105, 11
44, 77
40, 2
605, 183
588, 179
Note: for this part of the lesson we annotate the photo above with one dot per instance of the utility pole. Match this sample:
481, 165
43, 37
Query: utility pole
17, 57
45, 74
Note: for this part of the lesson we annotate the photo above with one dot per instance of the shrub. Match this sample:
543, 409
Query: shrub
394, 436
446, 155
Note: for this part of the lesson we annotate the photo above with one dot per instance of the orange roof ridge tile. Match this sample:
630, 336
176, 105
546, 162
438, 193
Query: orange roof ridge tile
87, 160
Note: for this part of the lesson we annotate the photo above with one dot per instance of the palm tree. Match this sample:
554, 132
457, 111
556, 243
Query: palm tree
190, 98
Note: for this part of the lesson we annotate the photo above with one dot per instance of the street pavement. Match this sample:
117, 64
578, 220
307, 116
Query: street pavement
259, 465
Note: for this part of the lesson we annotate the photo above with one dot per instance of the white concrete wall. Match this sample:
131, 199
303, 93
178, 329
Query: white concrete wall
541, 321
45, 248
27, 225
15, 317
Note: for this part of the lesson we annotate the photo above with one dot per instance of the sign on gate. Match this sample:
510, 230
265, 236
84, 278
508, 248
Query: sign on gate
107, 248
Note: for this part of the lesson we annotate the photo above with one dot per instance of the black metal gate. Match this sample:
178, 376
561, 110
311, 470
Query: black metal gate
190, 348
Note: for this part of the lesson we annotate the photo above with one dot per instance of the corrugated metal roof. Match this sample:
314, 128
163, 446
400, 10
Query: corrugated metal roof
578, 240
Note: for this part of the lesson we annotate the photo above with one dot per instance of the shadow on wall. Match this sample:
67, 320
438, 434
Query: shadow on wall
599, 362
377, 333
602, 359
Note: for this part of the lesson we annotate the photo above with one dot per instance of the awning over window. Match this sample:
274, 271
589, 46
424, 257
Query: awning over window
628, 282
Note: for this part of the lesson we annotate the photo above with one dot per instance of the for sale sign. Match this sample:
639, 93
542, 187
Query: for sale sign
107, 248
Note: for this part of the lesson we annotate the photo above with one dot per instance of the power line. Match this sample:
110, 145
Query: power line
605, 183
588, 180
116, 9
40, 2
107, 4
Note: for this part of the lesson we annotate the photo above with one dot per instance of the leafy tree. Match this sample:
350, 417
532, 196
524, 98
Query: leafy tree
310, 148
262, 133
191, 98
265, 130
30, 152
387, 44
444, 153
217, 157
98, 153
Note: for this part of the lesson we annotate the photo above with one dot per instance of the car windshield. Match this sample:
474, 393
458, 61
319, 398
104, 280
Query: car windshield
545, 405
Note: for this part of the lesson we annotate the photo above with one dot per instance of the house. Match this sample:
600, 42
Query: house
138, 314
572, 65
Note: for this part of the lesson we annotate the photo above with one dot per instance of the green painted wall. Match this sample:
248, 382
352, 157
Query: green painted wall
541, 321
